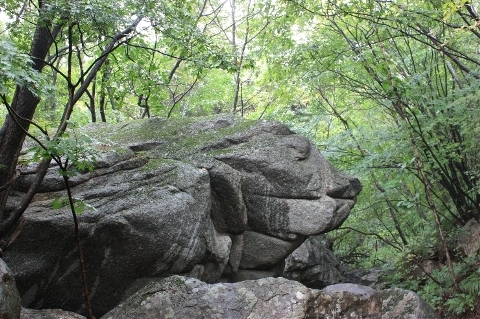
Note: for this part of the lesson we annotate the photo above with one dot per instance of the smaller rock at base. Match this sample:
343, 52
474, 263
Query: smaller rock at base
9, 296
48, 314
188, 298
346, 301
246, 274
313, 264
404, 304
264, 252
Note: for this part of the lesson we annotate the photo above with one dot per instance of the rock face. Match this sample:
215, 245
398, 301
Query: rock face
313, 264
404, 304
9, 296
179, 297
48, 314
469, 239
215, 198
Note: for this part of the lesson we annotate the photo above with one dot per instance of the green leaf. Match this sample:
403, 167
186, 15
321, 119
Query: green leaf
59, 202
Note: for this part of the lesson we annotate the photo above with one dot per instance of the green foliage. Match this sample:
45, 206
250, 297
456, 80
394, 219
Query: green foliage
16, 70
437, 287
461, 303
211, 96
76, 151
79, 205
444, 296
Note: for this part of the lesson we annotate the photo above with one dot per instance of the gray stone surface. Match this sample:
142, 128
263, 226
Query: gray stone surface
206, 197
367, 277
246, 274
9, 296
346, 301
313, 264
263, 252
180, 297
404, 304
48, 314
469, 239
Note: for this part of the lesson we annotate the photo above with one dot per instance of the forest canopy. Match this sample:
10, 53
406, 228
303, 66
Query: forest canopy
388, 90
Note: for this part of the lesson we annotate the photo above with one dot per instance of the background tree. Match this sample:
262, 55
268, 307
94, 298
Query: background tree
400, 82
54, 32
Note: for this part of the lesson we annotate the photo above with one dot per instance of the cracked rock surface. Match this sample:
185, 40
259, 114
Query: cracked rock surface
187, 298
209, 197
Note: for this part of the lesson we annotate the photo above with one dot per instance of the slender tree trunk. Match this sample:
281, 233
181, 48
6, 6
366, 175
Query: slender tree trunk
111, 97
24, 104
91, 96
233, 41
103, 91
433, 208
54, 104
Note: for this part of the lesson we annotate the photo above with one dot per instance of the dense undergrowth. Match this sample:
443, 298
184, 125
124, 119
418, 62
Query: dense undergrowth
453, 297
438, 288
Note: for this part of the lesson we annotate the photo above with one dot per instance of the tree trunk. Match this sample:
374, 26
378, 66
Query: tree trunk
24, 104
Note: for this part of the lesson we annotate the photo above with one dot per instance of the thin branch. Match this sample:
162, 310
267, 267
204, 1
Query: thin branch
398, 248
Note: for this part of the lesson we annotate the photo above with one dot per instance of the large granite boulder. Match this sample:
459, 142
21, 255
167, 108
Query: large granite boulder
187, 298
210, 198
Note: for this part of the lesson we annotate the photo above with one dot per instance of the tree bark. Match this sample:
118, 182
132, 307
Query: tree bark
24, 104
